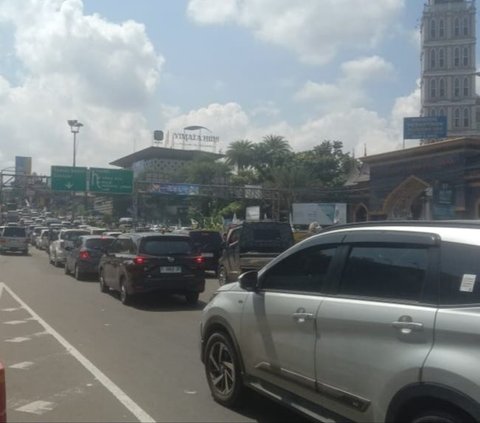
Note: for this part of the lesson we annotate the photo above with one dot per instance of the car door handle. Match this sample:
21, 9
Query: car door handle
302, 317
408, 325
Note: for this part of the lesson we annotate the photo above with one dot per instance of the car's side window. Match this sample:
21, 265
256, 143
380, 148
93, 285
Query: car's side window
460, 274
121, 246
385, 272
303, 271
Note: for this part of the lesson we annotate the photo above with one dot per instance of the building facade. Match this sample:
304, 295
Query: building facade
448, 65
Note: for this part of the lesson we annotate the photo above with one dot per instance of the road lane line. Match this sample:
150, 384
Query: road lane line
116, 391
18, 339
22, 366
15, 322
37, 407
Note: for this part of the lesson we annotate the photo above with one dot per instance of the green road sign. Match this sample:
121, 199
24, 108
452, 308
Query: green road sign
67, 178
111, 181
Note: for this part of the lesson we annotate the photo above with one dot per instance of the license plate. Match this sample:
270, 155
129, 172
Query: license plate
207, 254
170, 269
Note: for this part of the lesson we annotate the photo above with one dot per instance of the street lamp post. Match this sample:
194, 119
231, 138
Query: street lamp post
75, 126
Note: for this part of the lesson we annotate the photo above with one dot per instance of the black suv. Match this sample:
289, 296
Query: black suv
209, 245
146, 262
252, 245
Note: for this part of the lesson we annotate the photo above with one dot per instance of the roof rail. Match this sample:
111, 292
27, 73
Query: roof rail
432, 223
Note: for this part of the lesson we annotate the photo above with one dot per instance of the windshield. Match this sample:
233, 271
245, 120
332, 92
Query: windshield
165, 246
206, 241
14, 232
98, 243
73, 235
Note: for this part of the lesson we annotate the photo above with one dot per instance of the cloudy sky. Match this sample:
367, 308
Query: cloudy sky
308, 70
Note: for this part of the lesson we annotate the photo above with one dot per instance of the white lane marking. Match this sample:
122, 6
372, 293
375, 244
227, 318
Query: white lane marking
11, 308
18, 339
118, 393
37, 407
15, 322
21, 366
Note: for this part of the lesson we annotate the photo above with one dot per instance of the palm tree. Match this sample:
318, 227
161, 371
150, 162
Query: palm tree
276, 148
240, 154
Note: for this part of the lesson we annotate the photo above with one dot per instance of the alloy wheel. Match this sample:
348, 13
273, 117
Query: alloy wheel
221, 369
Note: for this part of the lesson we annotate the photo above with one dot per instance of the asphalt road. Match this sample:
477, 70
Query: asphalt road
74, 354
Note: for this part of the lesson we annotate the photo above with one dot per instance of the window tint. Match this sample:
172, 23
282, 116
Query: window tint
72, 236
458, 260
266, 238
14, 232
207, 241
385, 272
304, 271
98, 243
123, 246
165, 246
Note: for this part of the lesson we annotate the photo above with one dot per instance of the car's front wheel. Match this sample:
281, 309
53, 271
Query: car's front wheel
222, 276
222, 369
103, 285
192, 298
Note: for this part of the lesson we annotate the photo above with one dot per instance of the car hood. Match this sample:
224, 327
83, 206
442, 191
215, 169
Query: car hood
235, 286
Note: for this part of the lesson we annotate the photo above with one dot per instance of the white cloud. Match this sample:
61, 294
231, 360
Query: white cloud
75, 66
350, 88
315, 30
356, 127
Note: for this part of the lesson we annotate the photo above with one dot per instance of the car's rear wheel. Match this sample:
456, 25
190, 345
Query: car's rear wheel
441, 416
192, 297
222, 369
55, 261
78, 274
222, 276
65, 269
125, 297
103, 286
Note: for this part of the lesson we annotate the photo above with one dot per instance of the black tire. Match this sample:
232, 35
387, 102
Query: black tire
192, 297
78, 274
50, 258
125, 297
222, 276
441, 416
25, 252
221, 361
65, 269
55, 261
103, 286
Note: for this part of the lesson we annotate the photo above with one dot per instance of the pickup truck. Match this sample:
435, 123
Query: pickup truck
250, 246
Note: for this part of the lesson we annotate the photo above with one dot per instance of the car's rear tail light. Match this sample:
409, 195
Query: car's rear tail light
140, 261
200, 260
84, 255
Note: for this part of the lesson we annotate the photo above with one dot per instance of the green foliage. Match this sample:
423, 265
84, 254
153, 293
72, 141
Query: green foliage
206, 171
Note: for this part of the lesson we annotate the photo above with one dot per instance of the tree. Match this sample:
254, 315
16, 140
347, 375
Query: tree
240, 154
205, 171
273, 151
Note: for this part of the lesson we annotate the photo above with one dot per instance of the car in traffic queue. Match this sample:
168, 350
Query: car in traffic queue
371, 322
13, 239
209, 244
140, 263
83, 256
64, 239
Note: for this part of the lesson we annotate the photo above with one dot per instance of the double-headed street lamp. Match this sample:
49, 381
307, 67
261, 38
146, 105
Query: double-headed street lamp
75, 126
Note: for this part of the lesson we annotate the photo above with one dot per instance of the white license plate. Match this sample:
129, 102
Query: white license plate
207, 254
170, 269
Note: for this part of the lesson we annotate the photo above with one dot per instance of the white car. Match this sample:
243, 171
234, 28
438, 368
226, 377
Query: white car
65, 238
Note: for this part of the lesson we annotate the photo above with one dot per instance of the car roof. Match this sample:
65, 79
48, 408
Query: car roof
465, 232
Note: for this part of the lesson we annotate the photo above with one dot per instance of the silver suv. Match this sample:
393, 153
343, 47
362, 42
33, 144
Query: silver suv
373, 322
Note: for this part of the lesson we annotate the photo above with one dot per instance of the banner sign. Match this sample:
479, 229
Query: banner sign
417, 128
176, 189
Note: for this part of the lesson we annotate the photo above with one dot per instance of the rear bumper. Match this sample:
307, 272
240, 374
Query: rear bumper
169, 286
88, 267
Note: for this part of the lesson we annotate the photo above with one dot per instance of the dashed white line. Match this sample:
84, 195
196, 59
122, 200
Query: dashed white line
15, 322
24, 365
18, 339
37, 407
116, 391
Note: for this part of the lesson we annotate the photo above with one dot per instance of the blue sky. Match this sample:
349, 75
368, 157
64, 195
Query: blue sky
309, 70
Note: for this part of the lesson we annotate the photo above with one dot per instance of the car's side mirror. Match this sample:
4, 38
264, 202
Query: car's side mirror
249, 280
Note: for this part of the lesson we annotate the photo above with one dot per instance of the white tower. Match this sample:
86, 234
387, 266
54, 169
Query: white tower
448, 64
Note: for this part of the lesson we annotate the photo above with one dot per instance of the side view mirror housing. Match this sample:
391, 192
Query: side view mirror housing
249, 280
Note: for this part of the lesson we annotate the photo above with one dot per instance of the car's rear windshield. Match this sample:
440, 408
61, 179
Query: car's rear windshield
14, 232
266, 238
207, 240
165, 246
73, 235
98, 243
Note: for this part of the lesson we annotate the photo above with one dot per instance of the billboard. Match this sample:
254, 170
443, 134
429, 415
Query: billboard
176, 189
23, 165
417, 128
323, 213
